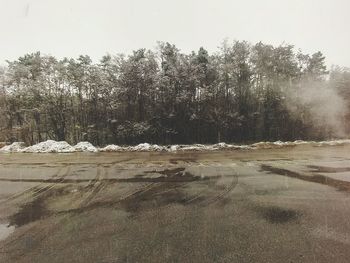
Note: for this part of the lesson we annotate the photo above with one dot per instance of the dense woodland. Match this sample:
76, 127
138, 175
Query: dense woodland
241, 93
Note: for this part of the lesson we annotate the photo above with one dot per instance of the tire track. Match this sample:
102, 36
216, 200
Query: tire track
96, 185
215, 198
40, 187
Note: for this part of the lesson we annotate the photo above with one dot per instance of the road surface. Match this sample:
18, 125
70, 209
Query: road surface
274, 205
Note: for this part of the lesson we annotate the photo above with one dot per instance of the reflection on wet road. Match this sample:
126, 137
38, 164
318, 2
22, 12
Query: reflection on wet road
284, 205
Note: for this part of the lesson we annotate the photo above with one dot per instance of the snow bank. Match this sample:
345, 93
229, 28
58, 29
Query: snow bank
146, 147
188, 147
111, 148
85, 147
202, 147
193, 147
143, 147
225, 146
332, 143
174, 148
280, 144
12, 148
222, 146
49, 146
269, 145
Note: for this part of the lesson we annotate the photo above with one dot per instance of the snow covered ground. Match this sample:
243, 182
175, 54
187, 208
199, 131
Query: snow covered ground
51, 146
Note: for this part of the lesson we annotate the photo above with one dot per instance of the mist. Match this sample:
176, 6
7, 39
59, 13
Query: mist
319, 104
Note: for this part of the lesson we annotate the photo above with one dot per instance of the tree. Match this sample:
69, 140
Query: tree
241, 93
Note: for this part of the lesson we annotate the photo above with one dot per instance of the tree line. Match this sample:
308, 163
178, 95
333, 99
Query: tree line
240, 93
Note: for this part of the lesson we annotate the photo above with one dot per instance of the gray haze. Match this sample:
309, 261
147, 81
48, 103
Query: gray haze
324, 104
72, 27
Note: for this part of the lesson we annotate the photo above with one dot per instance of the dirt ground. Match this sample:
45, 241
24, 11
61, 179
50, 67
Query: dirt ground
274, 205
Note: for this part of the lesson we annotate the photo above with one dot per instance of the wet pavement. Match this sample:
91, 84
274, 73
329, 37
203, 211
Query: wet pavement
272, 205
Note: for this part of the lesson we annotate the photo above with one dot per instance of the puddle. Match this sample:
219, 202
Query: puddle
167, 175
168, 187
325, 169
315, 178
169, 172
5, 231
29, 212
36, 209
277, 215
183, 160
155, 197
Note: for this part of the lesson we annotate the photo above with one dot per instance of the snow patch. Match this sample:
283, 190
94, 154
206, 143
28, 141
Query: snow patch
193, 147
49, 146
85, 147
333, 143
111, 148
174, 148
146, 147
13, 148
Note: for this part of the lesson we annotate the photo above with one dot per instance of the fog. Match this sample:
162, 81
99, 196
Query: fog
325, 107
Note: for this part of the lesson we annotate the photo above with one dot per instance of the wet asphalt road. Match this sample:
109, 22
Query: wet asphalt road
281, 205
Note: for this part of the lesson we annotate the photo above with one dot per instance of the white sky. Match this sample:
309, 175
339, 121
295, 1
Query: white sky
95, 27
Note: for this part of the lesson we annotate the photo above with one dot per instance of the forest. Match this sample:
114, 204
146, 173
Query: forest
241, 93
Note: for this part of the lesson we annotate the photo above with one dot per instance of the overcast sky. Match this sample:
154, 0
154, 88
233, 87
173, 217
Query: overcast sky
96, 27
